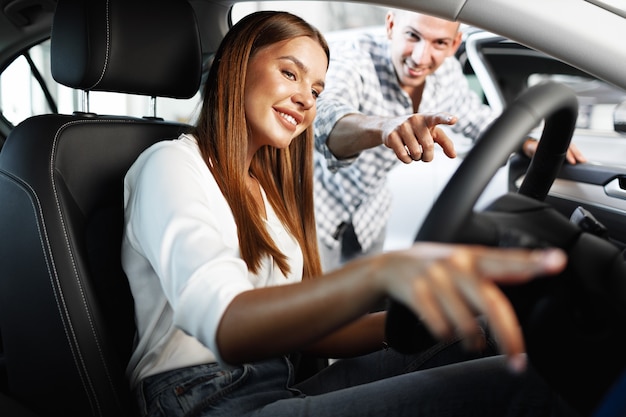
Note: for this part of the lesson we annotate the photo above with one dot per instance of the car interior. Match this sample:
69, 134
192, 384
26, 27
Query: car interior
583, 305
63, 287
66, 312
512, 65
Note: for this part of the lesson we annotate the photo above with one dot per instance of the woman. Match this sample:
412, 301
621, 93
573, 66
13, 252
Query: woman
220, 252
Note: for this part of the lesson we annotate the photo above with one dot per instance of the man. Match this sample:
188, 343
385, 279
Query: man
367, 120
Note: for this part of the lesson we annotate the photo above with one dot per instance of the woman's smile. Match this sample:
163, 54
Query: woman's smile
284, 78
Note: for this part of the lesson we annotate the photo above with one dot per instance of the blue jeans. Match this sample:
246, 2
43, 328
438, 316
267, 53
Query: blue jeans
441, 381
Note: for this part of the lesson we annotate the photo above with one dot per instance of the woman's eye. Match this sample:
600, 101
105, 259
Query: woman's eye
315, 93
289, 75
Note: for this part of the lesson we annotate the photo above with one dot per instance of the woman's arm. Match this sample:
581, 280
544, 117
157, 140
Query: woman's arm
364, 335
269, 321
445, 285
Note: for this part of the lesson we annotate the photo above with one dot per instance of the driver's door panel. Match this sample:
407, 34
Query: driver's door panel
599, 189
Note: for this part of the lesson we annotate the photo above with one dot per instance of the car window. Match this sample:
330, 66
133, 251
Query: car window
504, 69
597, 99
21, 93
28, 89
510, 67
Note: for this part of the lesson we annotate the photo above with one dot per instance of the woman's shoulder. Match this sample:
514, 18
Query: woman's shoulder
167, 157
184, 147
185, 144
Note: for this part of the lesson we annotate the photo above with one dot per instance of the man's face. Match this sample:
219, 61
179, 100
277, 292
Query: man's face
419, 45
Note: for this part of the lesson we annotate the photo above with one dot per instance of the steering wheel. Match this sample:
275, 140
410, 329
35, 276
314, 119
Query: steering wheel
573, 319
555, 103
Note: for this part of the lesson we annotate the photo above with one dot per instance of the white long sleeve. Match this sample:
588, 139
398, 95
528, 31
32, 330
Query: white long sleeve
181, 254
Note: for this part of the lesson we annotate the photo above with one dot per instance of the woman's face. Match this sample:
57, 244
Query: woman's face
282, 85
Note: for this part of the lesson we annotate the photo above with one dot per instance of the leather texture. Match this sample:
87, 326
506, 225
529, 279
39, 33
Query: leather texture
66, 312
97, 45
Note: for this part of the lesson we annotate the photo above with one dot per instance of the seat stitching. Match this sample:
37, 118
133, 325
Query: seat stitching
71, 254
108, 46
52, 271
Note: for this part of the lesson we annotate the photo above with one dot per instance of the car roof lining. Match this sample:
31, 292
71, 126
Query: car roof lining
502, 17
547, 33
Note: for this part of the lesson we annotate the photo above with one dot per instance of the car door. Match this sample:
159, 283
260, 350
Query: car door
503, 69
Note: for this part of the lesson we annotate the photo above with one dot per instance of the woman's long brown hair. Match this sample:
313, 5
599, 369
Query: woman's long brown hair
286, 175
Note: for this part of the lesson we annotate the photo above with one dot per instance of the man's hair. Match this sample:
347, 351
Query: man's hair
403, 13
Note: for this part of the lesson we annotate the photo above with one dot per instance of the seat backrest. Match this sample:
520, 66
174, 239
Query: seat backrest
66, 312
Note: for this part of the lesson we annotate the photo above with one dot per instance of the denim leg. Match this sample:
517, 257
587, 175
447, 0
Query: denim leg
482, 387
209, 390
388, 363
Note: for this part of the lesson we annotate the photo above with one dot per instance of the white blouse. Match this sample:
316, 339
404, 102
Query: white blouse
181, 254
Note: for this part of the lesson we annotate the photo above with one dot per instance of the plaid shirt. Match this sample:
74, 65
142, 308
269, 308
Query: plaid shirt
361, 79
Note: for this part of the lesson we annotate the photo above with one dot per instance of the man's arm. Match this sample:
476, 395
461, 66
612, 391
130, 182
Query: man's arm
412, 137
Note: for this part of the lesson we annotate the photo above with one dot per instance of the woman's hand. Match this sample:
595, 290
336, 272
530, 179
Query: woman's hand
452, 284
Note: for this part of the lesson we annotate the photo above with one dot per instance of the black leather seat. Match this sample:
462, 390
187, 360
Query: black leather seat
66, 312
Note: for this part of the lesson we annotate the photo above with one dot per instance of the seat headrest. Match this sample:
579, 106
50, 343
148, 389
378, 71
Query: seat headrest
145, 47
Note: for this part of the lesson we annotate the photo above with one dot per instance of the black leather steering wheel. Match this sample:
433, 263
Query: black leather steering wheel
555, 103
573, 320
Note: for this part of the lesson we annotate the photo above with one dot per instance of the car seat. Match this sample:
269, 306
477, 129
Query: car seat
66, 312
